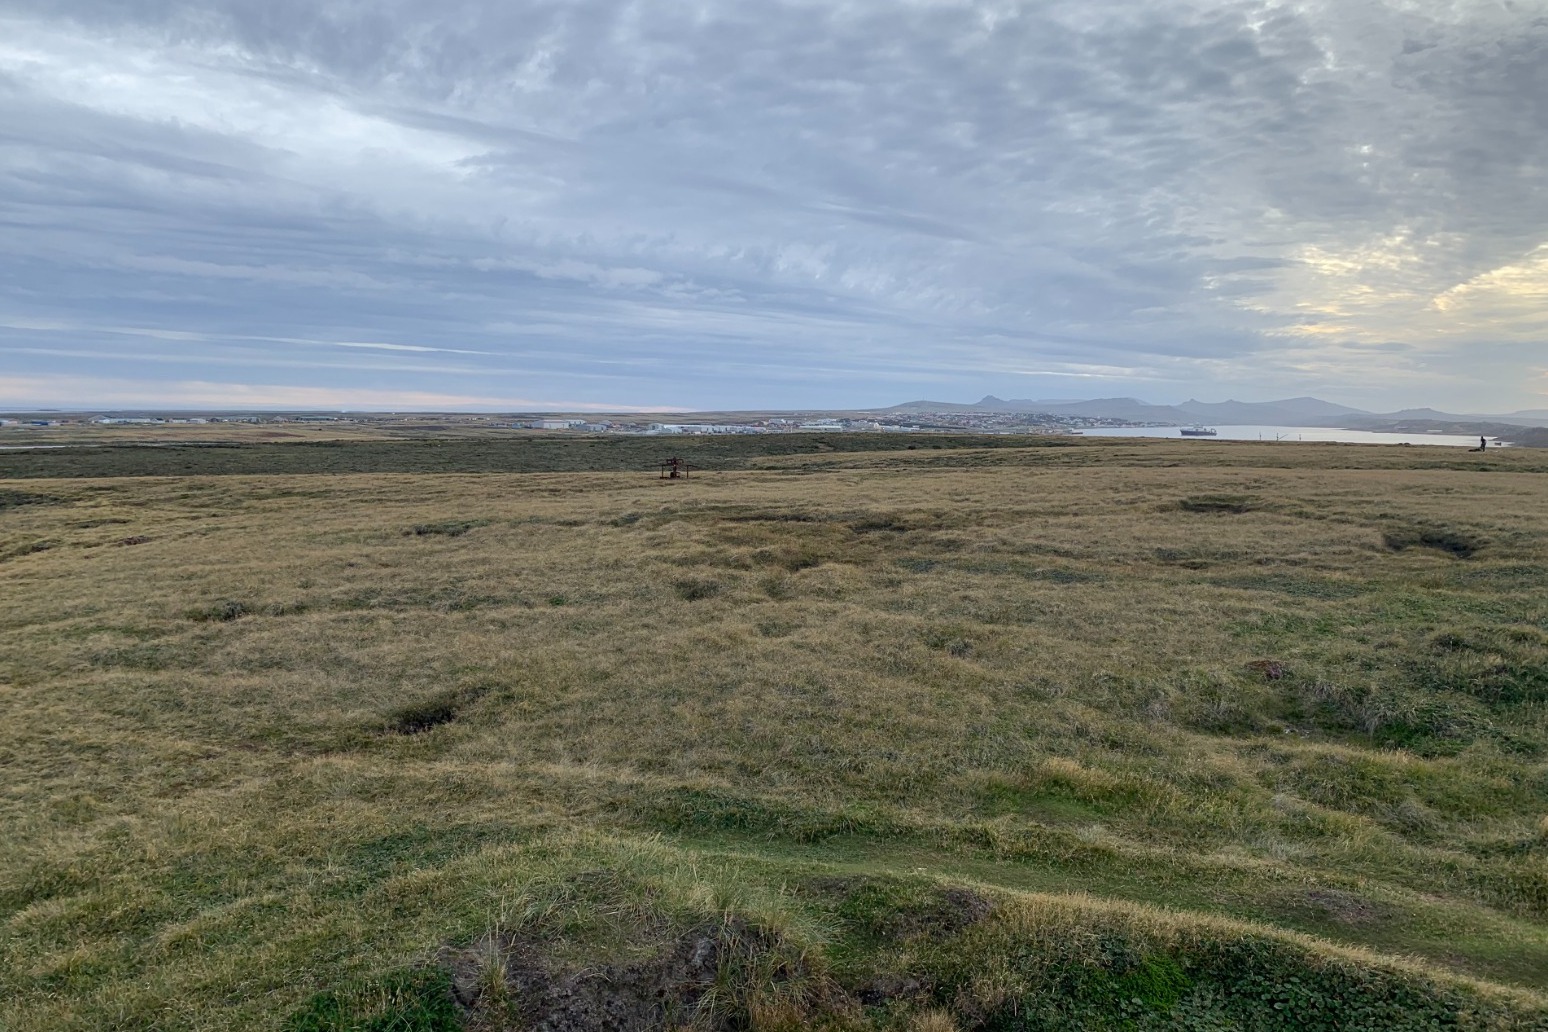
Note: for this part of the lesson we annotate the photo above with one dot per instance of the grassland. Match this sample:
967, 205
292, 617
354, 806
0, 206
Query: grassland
1062, 735
462, 451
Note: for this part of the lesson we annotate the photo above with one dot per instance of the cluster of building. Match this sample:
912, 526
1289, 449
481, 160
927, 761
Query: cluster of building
900, 422
120, 420
1014, 422
87, 419
761, 426
563, 424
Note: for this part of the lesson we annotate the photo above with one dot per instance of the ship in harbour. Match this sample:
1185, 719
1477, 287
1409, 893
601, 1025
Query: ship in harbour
1199, 431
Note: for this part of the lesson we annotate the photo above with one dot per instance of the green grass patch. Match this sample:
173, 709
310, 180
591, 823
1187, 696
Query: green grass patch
416, 1000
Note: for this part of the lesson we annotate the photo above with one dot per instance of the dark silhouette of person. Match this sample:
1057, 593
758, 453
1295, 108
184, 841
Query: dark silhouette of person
1483, 443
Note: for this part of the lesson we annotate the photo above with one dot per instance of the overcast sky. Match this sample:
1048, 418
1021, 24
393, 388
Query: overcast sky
513, 204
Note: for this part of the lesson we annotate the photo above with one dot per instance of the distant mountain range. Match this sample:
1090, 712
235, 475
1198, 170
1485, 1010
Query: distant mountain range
1287, 412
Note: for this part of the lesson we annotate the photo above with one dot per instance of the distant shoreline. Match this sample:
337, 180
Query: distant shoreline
1302, 434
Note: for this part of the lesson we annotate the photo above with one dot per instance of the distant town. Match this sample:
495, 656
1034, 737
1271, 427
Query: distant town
989, 415
910, 422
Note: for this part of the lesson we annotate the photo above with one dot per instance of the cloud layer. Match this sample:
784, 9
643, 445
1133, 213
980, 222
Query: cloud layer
779, 204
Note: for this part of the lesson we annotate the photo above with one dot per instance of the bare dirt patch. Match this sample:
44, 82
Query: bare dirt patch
1344, 907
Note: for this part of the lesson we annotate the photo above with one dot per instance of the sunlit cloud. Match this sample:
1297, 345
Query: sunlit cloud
1515, 295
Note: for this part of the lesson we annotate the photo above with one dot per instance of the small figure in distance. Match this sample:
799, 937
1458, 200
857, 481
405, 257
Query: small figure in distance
1483, 443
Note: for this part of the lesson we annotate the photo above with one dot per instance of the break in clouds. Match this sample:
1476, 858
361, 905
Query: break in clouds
470, 203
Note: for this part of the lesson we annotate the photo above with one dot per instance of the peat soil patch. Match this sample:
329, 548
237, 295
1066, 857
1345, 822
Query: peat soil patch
1221, 503
1453, 543
428, 713
701, 978
721, 975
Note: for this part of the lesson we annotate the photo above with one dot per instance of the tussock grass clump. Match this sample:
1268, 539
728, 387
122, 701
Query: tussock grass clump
949, 640
1499, 666
445, 528
1396, 715
220, 611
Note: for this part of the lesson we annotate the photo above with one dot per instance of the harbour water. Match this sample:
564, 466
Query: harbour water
1289, 433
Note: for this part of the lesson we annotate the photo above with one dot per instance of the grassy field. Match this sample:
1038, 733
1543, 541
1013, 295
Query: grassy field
1114, 734
466, 452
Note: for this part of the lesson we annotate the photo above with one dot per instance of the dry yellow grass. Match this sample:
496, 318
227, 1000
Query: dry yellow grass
267, 734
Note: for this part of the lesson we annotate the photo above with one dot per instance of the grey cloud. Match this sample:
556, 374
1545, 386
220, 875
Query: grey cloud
753, 192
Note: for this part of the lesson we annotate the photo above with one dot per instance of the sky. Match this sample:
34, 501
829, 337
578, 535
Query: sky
604, 205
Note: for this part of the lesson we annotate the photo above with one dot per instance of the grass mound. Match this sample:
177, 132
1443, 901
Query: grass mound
1050, 964
857, 952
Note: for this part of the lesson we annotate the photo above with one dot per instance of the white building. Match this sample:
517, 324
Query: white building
704, 428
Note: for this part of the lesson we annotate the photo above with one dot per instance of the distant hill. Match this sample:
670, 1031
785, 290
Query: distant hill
1289, 412
1285, 412
941, 406
1420, 413
1486, 426
1435, 418
1105, 408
